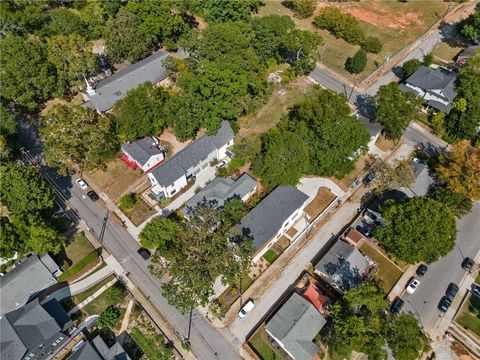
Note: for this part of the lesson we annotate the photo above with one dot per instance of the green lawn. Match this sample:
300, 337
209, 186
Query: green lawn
469, 317
260, 343
387, 273
75, 269
270, 256
152, 344
77, 248
99, 305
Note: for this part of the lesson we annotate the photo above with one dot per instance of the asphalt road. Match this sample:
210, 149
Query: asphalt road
206, 342
424, 302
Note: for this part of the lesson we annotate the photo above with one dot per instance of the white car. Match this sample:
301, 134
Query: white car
82, 184
412, 286
249, 305
221, 164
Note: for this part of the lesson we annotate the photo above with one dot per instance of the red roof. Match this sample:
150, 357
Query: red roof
354, 236
315, 297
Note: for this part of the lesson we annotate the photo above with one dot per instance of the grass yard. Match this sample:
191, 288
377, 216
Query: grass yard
446, 52
87, 263
77, 248
102, 302
151, 344
260, 343
323, 198
387, 273
140, 212
270, 256
469, 317
117, 179
232, 293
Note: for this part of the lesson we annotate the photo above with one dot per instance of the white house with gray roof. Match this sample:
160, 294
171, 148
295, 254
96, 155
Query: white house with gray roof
434, 85
103, 95
144, 153
96, 349
220, 191
272, 217
294, 327
28, 278
171, 176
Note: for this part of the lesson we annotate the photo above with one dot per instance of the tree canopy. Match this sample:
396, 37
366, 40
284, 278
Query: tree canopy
356, 64
418, 229
395, 109
470, 27
76, 138
405, 338
460, 204
392, 176
225, 10
159, 234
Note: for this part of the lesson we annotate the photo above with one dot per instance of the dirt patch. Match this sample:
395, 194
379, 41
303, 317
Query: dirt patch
76, 100
169, 140
323, 198
140, 212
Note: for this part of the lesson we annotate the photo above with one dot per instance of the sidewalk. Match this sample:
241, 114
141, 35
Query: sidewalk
91, 297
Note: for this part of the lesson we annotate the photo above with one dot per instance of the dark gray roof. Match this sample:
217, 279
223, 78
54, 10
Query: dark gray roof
266, 219
177, 166
96, 349
220, 190
422, 183
141, 150
471, 50
442, 79
30, 326
295, 325
108, 91
373, 128
29, 276
343, 264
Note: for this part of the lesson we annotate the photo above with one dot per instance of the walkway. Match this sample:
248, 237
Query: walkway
91, 297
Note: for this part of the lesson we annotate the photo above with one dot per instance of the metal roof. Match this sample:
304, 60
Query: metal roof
108, 91
267, 218
141, 150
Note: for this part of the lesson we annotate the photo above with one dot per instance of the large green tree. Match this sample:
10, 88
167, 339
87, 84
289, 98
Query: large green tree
9, 242
405, 337
283, 158
356, 64
460, 204
395, 109
297, 48
76, 138
28, 78
418, 229
7, 129
334, 138
218, 11
140, 113
62, 21
389, 177
470, 27
185, 112
23, 191
160, 234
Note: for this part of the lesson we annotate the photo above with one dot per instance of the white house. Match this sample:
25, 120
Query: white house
145, 153
435, 86
171, 176
272, 217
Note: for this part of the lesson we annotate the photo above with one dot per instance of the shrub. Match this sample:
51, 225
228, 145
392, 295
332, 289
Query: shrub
303, 8
410, 66
128, 201
427, 60
115, 294
344, 26
356, 64
372, 45
109, 318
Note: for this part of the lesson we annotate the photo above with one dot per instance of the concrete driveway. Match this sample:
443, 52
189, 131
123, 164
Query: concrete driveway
310, 186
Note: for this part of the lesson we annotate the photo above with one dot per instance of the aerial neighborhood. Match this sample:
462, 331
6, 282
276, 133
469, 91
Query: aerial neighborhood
239, 179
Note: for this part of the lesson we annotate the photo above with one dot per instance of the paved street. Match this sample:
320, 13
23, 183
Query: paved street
424, 301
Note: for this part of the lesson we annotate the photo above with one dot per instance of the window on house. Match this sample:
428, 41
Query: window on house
173, 191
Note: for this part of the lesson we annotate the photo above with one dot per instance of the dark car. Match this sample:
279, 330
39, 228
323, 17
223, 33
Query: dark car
444, 304
369, 178
93, 195
476, 289
451, 291
144, 253
422, 270
467, 264
397, 305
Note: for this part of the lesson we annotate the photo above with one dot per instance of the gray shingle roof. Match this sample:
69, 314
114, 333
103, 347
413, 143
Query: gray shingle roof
141, 150
96, 349
220, 190
422, 183
266, 219
108, 91
471, 50
344, 265
295, 325
177, 166
27, 278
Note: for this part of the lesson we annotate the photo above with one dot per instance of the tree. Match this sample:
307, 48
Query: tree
359, 322
470, 27
115, 294
9, 242
460, 204
419, 229
63, 21
405, 337
225, 10
270, 32
140, 112
160, 233
109, 318
395, 109
28, 78
437, 123
233, 211
23, 191
410, 66
283, 158
459, 169
356, 64
297, 48
185, 112
344, 26
334, 138
427, 60
392, 177
372, 45
303, 8
7, 129
76, 138
73, 59
125, 39
39, 237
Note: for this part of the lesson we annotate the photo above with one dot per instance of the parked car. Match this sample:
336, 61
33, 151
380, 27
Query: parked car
369, 178
221, 164
93, 195
476, 289
467, 264
82, 184
246, 308
444, 304
452, 290
422, 270
412, 286
397, 305
144, 253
